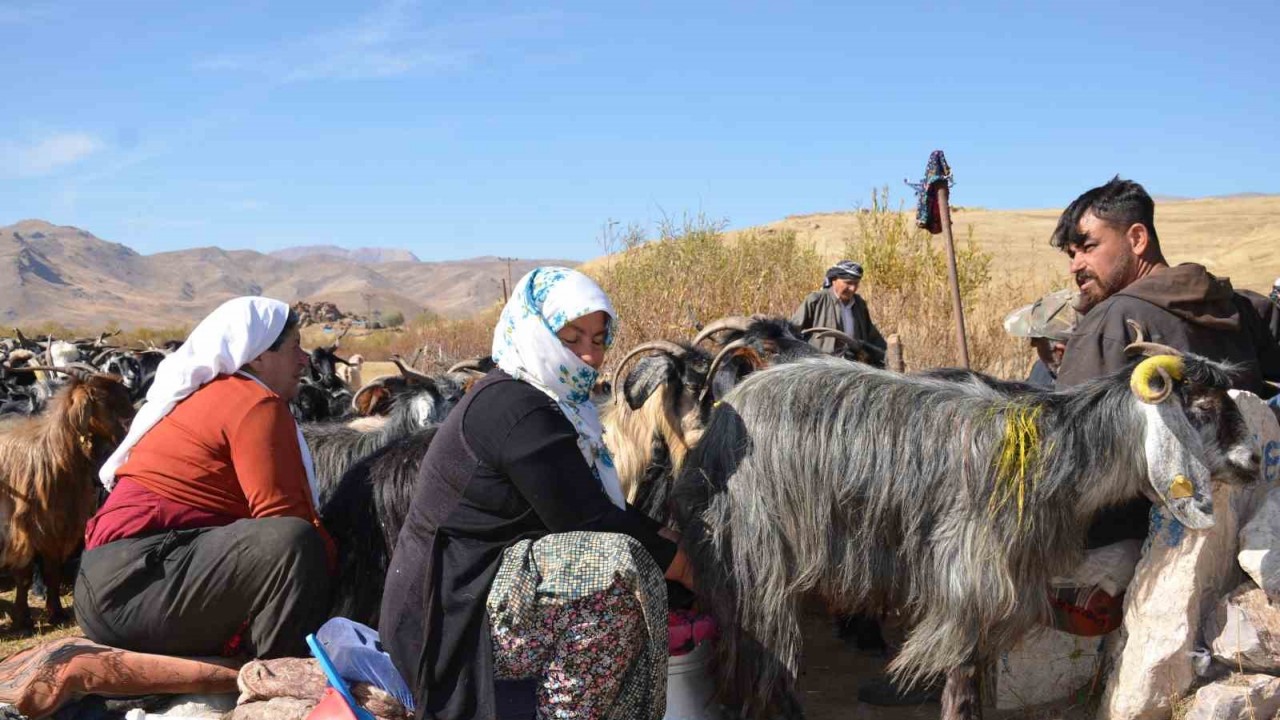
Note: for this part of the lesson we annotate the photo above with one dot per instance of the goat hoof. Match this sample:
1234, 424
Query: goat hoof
60, 617
22, 628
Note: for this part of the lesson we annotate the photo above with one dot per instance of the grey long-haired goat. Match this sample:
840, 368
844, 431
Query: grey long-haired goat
954, 502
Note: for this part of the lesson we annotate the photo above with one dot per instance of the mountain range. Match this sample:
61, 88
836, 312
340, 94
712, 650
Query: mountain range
65, 275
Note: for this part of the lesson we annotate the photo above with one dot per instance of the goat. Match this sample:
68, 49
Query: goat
364, 514
336, 446
378, 396
350, 373
658, 412
48, 480
953, 502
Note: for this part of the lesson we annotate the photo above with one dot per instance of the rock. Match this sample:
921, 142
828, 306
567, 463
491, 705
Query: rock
1244, 630
1046, 666
1180, 578
1260, 537
1242, 697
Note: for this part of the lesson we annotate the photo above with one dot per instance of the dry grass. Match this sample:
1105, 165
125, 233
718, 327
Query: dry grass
690, 275
11, 643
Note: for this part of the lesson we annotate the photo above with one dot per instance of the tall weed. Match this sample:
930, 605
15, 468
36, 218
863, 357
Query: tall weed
907, 288
668, 287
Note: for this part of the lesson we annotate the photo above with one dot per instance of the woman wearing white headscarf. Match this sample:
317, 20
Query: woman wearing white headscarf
210, 542
519, 558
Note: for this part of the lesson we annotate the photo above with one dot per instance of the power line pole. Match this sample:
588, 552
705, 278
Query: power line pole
508, 261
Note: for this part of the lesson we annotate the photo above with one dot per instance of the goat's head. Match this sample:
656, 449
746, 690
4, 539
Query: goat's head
774, 339
1193, 430
98, 411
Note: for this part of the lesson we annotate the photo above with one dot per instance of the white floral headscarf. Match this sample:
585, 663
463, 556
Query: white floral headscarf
526, 347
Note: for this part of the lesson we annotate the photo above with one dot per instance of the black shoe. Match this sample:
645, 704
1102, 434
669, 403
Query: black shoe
882, 691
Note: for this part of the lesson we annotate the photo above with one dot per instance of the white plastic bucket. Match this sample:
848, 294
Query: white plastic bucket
690, 688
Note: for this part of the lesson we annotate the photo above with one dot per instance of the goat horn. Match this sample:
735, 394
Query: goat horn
822, 332
410, 373
665, 346
98, 358
724, 354
70, 370
472, 365
733, 322
1168, 367
1140, 345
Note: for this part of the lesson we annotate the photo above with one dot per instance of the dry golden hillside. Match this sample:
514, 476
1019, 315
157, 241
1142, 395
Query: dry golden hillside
1238, 237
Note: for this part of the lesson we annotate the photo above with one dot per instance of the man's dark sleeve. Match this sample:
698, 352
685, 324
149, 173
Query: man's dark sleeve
542, 458
801, 315
1096, 349
1264, 342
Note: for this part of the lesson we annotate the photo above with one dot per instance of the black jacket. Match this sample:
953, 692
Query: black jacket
503, 467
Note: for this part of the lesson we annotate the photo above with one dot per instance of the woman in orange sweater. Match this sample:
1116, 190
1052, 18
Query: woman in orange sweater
210, 542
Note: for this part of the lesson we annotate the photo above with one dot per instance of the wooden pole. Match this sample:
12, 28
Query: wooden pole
957, 308
893, 354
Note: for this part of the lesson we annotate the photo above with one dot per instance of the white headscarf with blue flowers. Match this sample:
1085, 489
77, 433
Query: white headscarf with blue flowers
526, 347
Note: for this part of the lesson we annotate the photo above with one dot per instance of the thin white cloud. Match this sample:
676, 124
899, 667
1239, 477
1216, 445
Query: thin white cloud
46, 156
390, 41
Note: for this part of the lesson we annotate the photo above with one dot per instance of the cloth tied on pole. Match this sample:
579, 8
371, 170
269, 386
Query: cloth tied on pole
936, 172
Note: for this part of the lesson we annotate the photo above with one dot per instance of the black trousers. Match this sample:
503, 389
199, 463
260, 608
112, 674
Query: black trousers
189, 592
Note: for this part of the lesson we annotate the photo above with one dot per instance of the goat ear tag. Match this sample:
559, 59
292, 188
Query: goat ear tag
1181, 487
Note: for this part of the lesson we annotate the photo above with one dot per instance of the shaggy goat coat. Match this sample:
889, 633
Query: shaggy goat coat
954, 502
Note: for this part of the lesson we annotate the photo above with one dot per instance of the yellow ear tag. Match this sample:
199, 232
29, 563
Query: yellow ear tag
1181, 487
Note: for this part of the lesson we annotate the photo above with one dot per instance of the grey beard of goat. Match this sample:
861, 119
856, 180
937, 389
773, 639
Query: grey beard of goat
874, 490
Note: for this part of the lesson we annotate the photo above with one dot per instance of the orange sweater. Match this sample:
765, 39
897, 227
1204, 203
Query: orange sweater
230, 448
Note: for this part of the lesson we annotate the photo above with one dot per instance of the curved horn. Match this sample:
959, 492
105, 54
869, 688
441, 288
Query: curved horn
1169, 368
1140, 346
665, 346
76, 370
822, 332
98, 358
733, 322
725, 353
472, 365
407, 371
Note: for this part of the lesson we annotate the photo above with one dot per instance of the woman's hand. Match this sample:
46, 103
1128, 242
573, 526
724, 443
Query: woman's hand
681, 570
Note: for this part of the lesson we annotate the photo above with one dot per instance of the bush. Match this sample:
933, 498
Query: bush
908, 291
689, 275
393, 319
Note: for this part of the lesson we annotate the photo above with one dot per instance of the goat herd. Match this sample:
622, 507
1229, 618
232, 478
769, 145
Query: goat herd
948, 496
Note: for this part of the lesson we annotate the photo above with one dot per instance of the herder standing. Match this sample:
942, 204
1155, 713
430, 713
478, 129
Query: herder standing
838, 305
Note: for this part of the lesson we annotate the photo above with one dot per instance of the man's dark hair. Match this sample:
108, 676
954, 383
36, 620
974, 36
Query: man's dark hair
290, 323
1119, 203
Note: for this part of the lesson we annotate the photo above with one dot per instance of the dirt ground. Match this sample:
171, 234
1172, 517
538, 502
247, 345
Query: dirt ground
830, 674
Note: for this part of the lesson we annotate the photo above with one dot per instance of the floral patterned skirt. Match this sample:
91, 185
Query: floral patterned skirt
586, 615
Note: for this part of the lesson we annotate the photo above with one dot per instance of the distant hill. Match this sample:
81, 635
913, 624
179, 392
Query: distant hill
62, 274
370, 256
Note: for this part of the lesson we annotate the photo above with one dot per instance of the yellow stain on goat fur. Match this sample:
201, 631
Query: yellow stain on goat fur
1019, 460
1181, 488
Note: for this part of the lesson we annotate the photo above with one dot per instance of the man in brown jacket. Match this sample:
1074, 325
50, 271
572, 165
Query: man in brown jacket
1109, 233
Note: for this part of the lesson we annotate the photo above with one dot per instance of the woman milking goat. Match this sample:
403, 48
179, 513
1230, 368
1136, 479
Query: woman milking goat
520, 557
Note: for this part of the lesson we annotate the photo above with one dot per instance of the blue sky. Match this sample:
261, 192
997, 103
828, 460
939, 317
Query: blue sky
459, 129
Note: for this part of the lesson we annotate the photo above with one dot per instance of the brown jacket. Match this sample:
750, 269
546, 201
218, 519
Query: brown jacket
1183, 307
